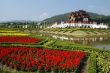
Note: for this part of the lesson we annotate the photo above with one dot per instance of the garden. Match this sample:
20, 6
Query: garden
36, 54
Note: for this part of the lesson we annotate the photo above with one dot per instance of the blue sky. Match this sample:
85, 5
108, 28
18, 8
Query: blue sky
40, 9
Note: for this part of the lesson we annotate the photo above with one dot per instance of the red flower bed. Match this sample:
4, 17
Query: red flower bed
33, 59
19, 39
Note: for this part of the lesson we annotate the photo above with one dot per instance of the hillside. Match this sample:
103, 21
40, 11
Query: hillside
99, 18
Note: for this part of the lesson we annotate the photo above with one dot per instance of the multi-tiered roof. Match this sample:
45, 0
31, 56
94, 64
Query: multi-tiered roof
79, 17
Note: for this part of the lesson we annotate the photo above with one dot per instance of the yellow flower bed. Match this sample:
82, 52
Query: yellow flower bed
6, 31
13, 34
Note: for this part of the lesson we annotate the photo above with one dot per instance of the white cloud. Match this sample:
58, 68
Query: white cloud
43, 16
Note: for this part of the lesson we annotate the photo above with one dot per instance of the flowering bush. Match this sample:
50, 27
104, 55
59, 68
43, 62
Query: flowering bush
19, 39
33, 59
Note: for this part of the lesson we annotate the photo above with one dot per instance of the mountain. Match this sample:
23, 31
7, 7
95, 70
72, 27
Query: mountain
99, 18
57, 18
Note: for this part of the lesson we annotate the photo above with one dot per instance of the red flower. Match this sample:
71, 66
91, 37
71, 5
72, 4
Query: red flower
30, 59
19, 39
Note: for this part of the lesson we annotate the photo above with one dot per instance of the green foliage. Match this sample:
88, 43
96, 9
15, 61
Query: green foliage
103, 62
92, 63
